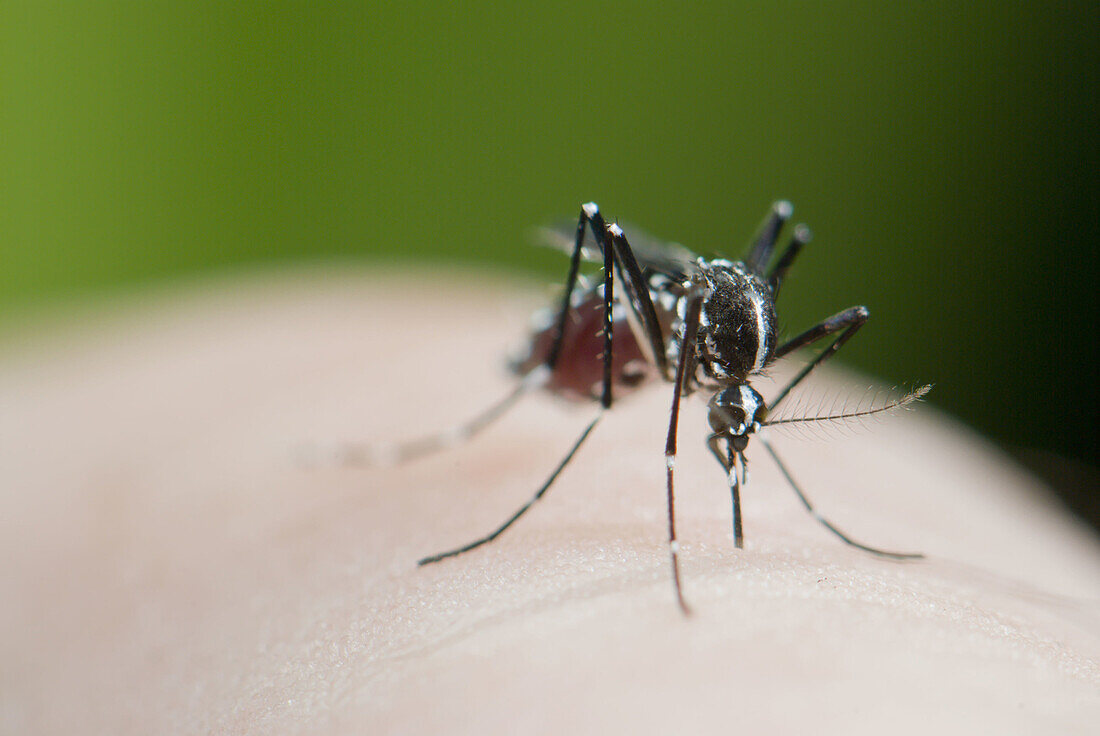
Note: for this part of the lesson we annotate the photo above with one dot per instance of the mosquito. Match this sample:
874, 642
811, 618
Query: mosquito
660, 311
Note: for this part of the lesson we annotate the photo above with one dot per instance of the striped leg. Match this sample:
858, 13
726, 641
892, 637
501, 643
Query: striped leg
846, 323
381, 454
684, 369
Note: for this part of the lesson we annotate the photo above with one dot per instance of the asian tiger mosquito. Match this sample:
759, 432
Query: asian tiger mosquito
724, 311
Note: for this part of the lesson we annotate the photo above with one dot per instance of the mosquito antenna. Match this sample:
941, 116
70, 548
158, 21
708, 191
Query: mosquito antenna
842, 417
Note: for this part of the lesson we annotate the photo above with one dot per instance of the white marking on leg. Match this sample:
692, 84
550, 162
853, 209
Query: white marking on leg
670, 461
615, 230
591, 209
674, 547
537, 377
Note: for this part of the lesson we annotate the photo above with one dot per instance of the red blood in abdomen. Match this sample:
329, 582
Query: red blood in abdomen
579, 371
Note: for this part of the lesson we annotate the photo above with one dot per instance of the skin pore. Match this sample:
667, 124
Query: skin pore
172, 567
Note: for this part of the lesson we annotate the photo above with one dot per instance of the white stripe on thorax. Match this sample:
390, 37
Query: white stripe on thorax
761, 333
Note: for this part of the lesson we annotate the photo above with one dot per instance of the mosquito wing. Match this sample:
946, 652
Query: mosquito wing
654, 255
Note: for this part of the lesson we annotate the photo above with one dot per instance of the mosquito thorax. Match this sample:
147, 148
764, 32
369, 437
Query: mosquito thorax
736, 411
736, 323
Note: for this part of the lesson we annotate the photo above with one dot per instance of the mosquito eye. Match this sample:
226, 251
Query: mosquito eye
724, 417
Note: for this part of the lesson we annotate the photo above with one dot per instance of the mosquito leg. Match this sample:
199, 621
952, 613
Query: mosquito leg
522, 509
570, 282
825, 522
684, 368
589, 216
608, 304
728, 462
714, 443
638, 298
617, 254
735, 498
846, 323
799, 239
366, 454
766, 237
634, 283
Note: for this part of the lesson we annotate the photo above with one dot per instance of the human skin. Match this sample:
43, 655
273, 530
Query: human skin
170, 566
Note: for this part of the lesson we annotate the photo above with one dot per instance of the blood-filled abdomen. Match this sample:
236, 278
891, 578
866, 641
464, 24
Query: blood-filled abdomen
579, 370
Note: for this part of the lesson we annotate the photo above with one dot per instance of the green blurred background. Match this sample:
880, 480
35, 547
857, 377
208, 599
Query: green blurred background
944, 154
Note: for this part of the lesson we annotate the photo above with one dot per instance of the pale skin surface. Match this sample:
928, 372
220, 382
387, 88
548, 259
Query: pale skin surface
169, 568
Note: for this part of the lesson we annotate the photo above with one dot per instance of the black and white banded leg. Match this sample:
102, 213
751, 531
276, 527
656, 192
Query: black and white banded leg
684, 370
847, 323
728, 460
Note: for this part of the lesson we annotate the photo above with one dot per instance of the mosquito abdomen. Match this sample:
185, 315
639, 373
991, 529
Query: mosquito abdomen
579, 370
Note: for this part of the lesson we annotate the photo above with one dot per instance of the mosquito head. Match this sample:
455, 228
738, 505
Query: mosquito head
736, 412
736, 323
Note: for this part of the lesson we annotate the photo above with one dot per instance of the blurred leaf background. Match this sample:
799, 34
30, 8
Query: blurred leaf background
944, 154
